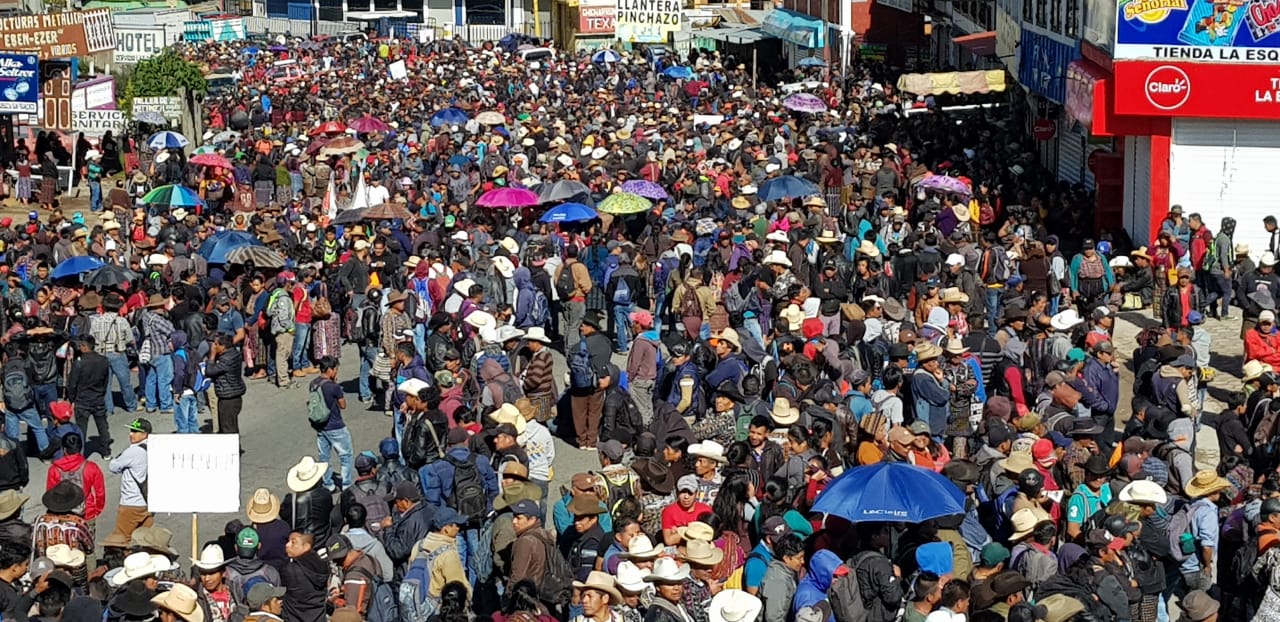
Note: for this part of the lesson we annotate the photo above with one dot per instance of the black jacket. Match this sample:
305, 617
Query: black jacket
14, 472
14, 530
306, 579
87, 384
227, 374
405, 532
312, 512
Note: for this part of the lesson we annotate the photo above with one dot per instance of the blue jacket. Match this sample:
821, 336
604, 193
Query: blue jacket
813, 587
437, 477
1102, 383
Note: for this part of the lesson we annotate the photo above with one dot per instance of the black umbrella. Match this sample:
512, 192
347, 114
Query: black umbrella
563, 191
107, 276
350, 216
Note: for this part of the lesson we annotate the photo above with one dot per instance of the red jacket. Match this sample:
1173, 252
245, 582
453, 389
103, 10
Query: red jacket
95, 489
1262, 347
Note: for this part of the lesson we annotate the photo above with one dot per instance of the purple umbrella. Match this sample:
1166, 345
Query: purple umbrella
646, 189
508, 197
943, 183
366, 125
804, 102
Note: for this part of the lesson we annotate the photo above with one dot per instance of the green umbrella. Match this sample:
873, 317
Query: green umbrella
621, 203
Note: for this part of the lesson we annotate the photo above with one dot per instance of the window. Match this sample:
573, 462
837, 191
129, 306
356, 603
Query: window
1073, 19
1055, 16
1042, 9
1027, 11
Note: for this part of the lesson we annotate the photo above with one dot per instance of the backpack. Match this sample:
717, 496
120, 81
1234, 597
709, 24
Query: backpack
539, 310
511, 390
76, 477
363, 324
622, 293
738, 578
383, 606
556, 585
414, 596
375, 505
317, 407
202, 382
564, 283
468, 496
1000, 270
734, 302
616, 483
582, 374
689, 306
240, 584
1182, 543
18, 394
845, 596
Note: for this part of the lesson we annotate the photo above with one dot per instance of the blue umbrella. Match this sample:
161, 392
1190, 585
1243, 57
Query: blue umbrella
892, 492
73, 266
459, 160
569, 212
812, 61
678, 72
167, 140
606, 56
787, 187
449, 116
215, 249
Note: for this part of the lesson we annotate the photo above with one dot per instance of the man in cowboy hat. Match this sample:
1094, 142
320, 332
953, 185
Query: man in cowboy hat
587, 550
309, 504
153, 322
599, 596
62, 522
179, 603
12, 527
131, 466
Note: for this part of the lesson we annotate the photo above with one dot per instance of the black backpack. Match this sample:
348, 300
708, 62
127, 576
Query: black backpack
564, 284
556, 586
18, 394
468, 496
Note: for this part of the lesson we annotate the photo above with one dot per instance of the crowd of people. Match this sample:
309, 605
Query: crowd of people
786, 294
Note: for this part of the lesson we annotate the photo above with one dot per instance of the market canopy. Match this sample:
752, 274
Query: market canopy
952, 82
797, 28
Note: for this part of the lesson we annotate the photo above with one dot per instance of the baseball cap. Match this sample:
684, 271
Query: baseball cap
775, 526
140, 425
919, 427
336, 548
687, 483
365, 463
261, 593
526, 507
1054, 378
993, 554
247, 539
446, 516
408, 491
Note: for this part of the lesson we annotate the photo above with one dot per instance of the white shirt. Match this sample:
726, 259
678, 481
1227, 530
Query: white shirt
377, 195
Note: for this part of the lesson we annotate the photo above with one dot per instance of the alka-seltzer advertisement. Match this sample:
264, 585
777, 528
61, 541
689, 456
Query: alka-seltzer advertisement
19, 83
1234, 31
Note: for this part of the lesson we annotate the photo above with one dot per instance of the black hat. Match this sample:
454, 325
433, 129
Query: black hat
63, 498
408, 491
899, 351
730, 390
654, 475
593, 319
133, 603
1097, 465
439, 319
1085, 427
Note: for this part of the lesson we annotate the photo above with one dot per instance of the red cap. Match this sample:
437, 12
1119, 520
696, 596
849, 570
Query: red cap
812, 328
6, 222
1042, 449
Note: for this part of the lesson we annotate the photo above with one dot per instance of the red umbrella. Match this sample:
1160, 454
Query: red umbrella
316, 145
365, 125
693, 87
329, 127
213, 160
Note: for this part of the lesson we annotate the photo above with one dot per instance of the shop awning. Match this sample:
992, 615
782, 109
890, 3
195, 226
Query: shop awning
736, 36
954, 82
982, 43
798, 28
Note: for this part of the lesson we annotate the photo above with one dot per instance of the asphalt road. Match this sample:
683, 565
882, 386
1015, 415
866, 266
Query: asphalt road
274, 435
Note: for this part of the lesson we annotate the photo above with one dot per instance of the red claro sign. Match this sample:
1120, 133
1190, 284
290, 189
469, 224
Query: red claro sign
1203, 90
1044, 129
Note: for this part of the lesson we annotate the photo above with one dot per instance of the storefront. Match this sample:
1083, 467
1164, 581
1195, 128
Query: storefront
1211, 111
801, 34
1042, 68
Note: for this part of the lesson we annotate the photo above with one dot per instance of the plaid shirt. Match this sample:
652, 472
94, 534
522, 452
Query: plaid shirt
156, 329
1073, 463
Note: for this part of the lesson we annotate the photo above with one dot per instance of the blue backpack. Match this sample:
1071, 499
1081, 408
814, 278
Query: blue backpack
383, 607
416, 602
582, 375
622, 293
539, 311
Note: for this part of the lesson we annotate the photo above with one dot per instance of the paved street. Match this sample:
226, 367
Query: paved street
275, 433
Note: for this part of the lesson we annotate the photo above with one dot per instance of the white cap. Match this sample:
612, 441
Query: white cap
1267, 315
955, 259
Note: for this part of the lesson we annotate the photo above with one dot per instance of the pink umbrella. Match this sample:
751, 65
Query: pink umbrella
212, 159
366, 125
329, 127
508, 197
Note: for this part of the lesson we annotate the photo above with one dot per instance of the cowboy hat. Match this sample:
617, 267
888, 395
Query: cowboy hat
868, 248
65, 556
10, 502
734, 606
893, 309
155, 539
1241, 249
641, 547
740, 203
504, 267
827, 236
792, 316
927, 352
586, 505
697, 530
464, 286
654, 475
156, 300
730, 336
508, 413
603, 582
63, 498
783, 413
506, 333
953, 294
305, 475
956, 346
480, 319
526, 408
1205, 483
667, 570
961, 212
702, 553
777, 236
1017, 462
630, 578
777, 257
1024, 521
179, 214
1144, 492
211, 558
137, 566
536, 333
162, 157
710, 450
263, 507
396, 296
1065, 320
1121, 262
1254, 370
181, 601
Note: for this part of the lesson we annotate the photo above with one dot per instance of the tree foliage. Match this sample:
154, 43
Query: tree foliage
163, 75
